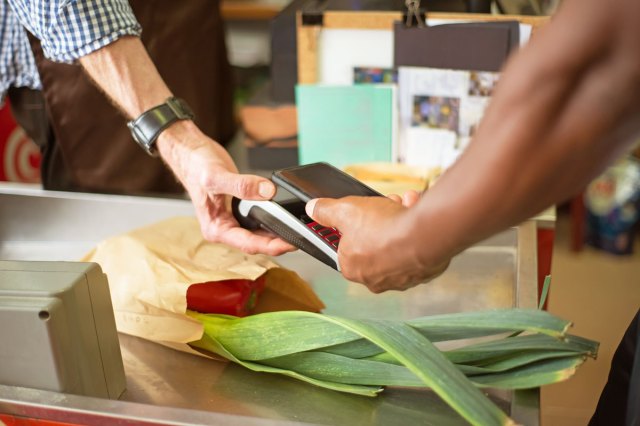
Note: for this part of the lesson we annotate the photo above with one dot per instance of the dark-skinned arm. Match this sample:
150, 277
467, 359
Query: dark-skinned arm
566, 106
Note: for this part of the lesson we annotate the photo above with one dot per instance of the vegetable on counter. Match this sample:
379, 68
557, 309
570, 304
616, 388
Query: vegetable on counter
230, 297
362, 356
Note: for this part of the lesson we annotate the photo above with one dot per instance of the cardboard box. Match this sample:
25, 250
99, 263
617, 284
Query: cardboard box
271, 132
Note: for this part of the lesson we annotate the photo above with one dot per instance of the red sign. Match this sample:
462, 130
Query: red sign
19, 156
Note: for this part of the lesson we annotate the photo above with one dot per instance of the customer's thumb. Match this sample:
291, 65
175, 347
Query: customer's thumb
322, 210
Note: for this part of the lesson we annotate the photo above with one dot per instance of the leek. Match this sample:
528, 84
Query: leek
363, 356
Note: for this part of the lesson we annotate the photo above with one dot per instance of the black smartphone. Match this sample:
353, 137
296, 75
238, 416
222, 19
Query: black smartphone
320, 180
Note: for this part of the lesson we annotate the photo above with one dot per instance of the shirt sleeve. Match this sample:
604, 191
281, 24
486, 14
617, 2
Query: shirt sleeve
17, 66
70, 29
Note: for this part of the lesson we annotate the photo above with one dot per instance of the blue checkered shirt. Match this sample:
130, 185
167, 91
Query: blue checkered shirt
67, 29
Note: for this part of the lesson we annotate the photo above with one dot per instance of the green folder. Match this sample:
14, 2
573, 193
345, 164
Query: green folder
344, 125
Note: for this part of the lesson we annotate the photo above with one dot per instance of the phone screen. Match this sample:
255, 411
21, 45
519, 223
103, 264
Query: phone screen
320, 180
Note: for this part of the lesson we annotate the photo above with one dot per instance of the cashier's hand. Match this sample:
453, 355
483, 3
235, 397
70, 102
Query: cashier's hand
371, 250
210, 177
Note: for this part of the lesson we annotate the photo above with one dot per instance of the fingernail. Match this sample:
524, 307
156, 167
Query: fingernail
265, 189
310, 207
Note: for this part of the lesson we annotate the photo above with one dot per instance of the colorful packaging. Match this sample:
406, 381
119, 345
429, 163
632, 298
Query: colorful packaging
612, 201
19, 155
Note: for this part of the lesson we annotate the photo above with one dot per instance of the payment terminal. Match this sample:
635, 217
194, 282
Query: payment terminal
285, 215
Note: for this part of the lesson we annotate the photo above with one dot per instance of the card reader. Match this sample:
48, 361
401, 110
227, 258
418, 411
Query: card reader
288, 220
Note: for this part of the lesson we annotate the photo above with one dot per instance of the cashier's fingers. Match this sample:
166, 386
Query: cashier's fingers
286, 247
218, 225
395, 197
408, 199
245, 187
247, 241
255, 242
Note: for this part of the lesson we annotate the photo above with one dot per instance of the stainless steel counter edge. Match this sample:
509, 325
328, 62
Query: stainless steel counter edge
74, 409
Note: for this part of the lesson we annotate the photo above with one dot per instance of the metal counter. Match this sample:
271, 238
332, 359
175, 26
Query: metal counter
169, 387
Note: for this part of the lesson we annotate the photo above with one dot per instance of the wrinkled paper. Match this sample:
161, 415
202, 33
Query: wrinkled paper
150, 269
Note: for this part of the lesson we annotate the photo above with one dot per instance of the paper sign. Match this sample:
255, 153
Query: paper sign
342, 50
346, 124
443, 104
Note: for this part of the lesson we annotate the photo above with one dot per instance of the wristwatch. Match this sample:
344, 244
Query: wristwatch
147, 127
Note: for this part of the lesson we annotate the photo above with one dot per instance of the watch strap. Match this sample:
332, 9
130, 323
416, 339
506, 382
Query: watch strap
147, 127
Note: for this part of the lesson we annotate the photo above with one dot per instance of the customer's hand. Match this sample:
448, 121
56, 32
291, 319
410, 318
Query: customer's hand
376, 248
210, 177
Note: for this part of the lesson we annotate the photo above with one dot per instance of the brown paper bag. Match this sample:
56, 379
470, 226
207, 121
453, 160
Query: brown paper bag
149, 270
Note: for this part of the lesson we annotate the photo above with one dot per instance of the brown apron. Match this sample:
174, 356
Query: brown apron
92, 148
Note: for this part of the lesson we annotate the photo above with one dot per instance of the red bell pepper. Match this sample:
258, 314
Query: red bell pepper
230, 297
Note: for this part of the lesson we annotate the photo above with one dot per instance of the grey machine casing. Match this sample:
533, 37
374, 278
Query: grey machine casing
57, 329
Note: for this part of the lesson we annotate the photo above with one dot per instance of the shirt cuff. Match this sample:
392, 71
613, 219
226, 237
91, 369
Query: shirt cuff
80, 28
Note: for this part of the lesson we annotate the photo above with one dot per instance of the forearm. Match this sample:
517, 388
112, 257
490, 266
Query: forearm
125, 72
563, 109
104, 37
